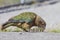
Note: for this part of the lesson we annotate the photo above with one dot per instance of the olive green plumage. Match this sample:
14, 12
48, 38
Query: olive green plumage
26, 21
24, 17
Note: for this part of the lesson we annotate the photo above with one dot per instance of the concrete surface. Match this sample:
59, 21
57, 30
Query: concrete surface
29, 36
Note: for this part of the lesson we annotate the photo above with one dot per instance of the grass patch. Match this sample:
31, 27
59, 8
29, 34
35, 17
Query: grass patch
55, 30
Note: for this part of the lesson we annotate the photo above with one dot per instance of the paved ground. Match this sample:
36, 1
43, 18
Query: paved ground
29, 36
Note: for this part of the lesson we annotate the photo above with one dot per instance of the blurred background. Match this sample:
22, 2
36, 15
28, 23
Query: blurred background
4, 3
12, 5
